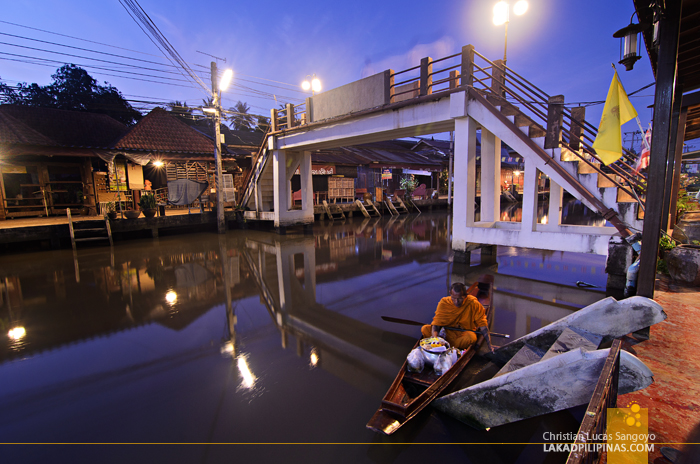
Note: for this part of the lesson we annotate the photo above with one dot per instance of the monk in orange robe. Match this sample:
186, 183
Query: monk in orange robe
461, 311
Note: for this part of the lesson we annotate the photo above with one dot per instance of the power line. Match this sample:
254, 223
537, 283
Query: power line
246, 91
156, 34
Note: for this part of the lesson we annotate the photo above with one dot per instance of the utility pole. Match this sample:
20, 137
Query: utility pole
220, 221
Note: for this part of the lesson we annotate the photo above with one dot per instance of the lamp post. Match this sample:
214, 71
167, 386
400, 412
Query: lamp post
501, 15
216, 88
630, 47
311, 83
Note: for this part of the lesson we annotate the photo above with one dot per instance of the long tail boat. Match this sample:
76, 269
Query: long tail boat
412, 391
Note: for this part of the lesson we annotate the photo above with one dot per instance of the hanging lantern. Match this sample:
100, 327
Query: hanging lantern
630, 47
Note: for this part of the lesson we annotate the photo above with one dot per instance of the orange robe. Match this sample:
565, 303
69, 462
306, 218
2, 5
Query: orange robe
471, 315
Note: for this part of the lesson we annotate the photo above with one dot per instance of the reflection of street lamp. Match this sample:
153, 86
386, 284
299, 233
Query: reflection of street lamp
17, 333
171, 297
501, 16
248, 378
311, 83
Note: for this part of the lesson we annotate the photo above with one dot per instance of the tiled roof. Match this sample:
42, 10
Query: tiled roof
161, 132
15, 132
68, 128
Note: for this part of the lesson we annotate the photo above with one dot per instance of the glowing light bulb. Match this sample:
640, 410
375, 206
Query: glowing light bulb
500, 13
520, 7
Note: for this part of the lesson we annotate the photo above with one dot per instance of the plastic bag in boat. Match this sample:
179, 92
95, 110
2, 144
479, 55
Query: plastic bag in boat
415, 361
445, 361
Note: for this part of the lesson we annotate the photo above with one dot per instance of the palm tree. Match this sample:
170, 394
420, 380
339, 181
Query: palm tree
240, 118
180, 109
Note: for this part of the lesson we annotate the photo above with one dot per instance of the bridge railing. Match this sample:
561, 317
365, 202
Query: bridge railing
563, 127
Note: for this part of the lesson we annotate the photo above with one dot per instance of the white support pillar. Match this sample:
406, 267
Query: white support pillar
490, 176
285, 163
279, 182
465, 181
307, 186
529, 219
293, 161
555, 199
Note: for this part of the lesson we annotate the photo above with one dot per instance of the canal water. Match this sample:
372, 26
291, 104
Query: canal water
255, 346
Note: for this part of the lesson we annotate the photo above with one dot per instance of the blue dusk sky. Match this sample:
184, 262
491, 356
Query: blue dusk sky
562, 46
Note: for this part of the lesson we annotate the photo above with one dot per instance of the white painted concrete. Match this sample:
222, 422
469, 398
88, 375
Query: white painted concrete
463, 115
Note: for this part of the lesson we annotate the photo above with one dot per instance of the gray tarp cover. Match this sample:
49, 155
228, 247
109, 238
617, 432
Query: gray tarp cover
183, 192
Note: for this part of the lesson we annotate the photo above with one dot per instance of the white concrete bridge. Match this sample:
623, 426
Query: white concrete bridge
468, 93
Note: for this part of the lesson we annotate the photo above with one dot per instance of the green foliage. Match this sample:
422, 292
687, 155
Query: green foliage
110, 207
661, 266
262, 124
180, 110
666, 243
409, 184
239, 117
73, 89
147, 201
443, 182
684, 203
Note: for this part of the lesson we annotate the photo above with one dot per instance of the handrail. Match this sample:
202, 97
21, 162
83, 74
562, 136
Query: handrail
530, 101
255, 170
594, 424
405, 70
609, 214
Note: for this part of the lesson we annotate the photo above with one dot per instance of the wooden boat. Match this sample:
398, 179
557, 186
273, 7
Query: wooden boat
555, 367
411, 392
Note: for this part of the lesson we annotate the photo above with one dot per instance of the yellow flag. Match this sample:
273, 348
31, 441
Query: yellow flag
618, 110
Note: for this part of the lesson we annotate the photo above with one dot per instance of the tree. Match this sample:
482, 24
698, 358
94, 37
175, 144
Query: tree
240, 118
263, 124
73, 89
181, 110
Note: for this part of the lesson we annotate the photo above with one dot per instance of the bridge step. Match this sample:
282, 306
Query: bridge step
591, 179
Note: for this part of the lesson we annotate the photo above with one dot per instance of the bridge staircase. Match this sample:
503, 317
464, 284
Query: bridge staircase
258, 188
559, 140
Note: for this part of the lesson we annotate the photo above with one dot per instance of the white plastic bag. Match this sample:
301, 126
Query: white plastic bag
444, 362
454, 354
415, 361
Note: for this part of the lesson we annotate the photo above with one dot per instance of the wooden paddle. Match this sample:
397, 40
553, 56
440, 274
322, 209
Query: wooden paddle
409, 322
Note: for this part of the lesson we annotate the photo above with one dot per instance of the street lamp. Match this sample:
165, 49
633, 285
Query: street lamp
312, 83
629, 48
217, 87
501, 13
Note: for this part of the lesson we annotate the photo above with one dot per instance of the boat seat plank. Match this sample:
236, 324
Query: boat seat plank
426, 377
570, 339
527, 355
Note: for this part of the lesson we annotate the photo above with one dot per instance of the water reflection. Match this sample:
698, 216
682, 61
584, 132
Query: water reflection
231, 331
573, 212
